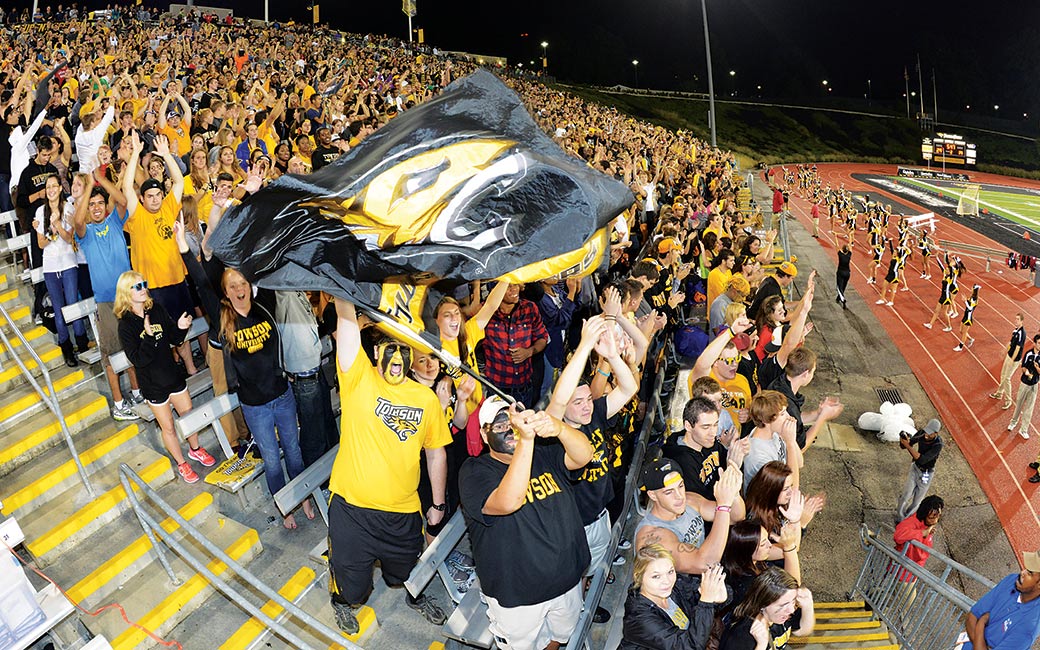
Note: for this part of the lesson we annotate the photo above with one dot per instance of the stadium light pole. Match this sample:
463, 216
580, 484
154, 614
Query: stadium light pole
545, 55
635, 66
711, 84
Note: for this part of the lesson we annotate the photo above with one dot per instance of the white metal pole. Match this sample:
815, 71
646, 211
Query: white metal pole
409, 28
711, 84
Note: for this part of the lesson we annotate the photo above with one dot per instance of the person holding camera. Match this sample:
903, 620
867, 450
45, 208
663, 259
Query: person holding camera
929, 444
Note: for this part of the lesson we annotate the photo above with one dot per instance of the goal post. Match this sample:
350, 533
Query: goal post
969, 201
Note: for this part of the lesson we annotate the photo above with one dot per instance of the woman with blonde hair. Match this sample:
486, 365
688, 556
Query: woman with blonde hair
147, 333
668, 610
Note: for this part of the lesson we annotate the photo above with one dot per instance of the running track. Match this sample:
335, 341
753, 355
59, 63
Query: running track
958, 383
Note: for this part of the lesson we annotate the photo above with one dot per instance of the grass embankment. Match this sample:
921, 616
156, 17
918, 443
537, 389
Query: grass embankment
771, 134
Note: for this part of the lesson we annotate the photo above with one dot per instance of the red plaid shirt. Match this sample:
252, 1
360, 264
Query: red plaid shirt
519, 328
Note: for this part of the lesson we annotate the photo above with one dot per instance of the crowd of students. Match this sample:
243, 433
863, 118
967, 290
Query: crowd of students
171, 125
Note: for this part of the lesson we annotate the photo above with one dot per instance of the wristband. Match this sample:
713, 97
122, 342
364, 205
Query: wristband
791, 550
605, 374
722, 508
729, 328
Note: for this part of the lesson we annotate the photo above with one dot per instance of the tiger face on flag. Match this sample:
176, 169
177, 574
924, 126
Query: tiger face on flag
463, 187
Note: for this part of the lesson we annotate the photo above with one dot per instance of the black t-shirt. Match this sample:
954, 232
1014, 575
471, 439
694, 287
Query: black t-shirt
769, 287
700, 468
738, 635
322, 156
794, 404
34, 179
5, 147
252, 360
157, 372
538, 552
929, 450
594, 489
768, 371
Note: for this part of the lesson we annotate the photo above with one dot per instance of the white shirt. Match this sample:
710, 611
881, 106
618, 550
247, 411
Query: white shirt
20, 147
88, 142
59, 254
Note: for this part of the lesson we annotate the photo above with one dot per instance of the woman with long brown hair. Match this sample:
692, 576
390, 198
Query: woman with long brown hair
766, 618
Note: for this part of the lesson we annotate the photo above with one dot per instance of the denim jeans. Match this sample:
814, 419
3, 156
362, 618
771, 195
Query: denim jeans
318, 432
63, 288
279, 413
5, 195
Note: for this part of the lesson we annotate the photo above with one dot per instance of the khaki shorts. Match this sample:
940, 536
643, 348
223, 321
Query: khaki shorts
108, 329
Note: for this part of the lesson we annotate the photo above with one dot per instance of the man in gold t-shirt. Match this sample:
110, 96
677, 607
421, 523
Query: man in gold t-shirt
153, 250
374, 512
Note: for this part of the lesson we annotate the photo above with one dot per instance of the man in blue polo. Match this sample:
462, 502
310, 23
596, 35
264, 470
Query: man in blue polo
1009, 615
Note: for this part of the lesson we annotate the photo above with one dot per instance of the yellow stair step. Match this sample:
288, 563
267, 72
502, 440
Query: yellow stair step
81, 413
848, 625
48, 541
850, 604
253, 628
19, 314
31, 398
31, 335
840, 638
8, 296
191, 588
42, 484
837, 613
134, 551
12, 371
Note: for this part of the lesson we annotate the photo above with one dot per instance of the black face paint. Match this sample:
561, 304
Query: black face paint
389, 354
500, 440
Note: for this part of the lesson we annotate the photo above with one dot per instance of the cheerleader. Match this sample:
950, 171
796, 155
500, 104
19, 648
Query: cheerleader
895, 274
924, 246
945, 294
969, 313
877, 243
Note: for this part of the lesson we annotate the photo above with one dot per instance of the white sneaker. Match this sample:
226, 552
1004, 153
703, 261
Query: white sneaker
1024, 434
889, 303
928, 326
880, 302
958, 348
947, 329
905, 289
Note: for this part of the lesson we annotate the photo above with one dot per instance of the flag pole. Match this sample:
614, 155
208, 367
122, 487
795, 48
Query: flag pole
426, 341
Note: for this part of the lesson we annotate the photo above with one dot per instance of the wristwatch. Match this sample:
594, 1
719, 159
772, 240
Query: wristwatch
439, 506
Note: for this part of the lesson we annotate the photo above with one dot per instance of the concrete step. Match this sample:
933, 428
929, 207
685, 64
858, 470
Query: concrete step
310, 593
22, 402
153, 602
53, 471
69, 517
137, 555
30, 437
11, 375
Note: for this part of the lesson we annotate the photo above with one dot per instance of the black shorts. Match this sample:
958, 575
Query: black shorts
174, 298
358, 537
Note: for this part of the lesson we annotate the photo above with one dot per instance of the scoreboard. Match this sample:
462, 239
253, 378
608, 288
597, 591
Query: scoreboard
946, 148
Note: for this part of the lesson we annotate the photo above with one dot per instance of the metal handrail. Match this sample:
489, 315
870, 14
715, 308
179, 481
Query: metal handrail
921, 609
49, 398
151, 527
599, 577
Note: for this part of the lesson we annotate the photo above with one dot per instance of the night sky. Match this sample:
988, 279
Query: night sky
983, 55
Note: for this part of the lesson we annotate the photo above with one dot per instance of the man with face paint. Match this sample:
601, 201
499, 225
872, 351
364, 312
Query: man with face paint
374, 512
573, 403
524, 526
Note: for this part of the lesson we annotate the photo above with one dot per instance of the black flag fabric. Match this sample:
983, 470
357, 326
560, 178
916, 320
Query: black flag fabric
462, 187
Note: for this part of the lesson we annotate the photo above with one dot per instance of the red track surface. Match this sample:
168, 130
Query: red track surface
958, 383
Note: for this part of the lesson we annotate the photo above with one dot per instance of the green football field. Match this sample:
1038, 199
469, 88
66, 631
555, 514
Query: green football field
1020, 206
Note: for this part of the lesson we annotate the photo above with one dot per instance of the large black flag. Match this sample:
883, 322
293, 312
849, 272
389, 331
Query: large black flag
463, 187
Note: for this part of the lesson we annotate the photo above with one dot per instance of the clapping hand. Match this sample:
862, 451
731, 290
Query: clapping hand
713, 585
184, 322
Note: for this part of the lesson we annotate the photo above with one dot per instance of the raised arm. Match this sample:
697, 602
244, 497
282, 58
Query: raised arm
348, 334
130, 173
491, 305
714, 349
162, 147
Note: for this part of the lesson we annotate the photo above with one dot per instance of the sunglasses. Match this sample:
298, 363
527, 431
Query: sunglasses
140, 286
730, 360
